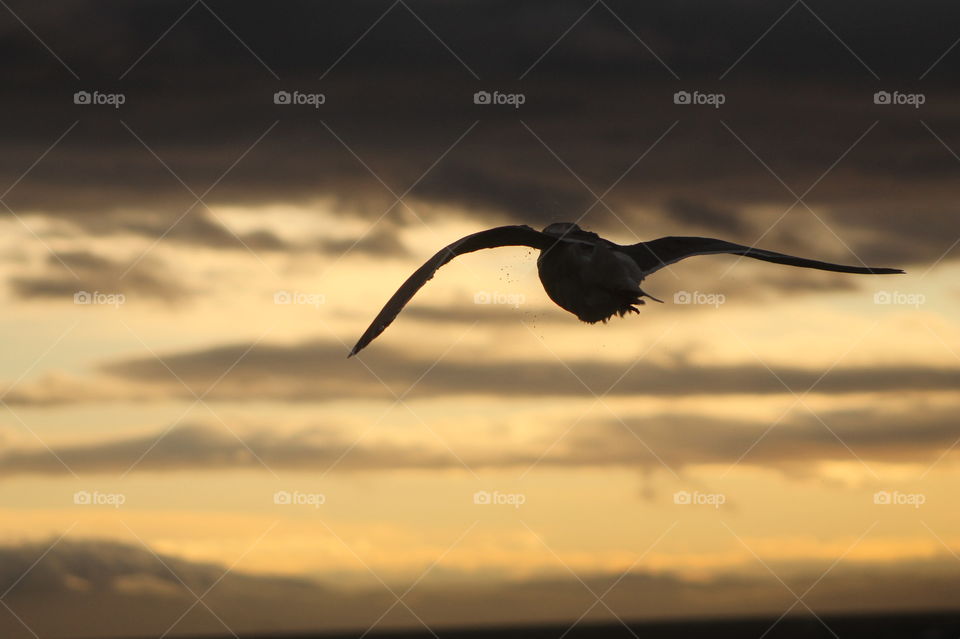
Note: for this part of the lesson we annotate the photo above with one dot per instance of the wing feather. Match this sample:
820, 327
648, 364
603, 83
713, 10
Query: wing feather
491, 238
654, 255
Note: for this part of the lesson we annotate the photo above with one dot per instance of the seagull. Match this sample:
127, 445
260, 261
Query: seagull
585, 274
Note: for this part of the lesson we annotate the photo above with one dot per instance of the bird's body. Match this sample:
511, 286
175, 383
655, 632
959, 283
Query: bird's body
583, 273
593, 281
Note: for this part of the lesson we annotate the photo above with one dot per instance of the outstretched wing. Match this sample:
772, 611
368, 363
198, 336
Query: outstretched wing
491, 238
653, 256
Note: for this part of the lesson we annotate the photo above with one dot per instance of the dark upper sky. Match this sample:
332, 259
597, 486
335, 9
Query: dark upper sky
598, 80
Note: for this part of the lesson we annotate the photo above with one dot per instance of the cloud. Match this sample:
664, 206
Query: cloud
201, 229
90, 272
796, 444
93, 566
701, 214
194, 447
104, 588
318, 370
382, 241
501, 314
101, 588
599, 99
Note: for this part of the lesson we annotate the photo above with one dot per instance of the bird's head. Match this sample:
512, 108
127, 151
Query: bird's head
570, 231
562, 228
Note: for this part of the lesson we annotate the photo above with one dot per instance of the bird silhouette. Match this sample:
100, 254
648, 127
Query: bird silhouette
583, 273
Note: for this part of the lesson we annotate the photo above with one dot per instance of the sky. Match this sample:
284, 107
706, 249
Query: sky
205, 203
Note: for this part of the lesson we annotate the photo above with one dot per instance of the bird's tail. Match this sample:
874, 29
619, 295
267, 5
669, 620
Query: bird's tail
645, 294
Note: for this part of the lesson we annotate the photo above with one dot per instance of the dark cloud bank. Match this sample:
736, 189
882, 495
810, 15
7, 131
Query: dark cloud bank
599, 97
314, 371
108, 589
797, 444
